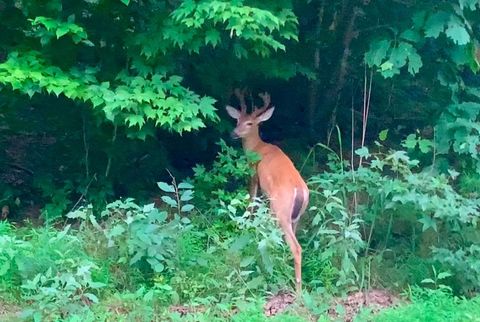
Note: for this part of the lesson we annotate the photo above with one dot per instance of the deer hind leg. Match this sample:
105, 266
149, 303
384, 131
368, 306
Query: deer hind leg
296, 250
294, 226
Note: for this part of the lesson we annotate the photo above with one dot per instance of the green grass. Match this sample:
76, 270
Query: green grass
429, 306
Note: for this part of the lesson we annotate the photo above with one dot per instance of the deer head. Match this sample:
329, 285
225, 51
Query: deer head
247, 123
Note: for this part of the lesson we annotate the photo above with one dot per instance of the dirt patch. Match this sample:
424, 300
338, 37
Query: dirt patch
184, 310
278, 303
8, 312
350, 306
375, 300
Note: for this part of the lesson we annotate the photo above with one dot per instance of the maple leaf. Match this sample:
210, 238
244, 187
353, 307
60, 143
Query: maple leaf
458, 34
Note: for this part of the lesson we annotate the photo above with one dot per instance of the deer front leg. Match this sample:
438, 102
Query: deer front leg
253, 187
253, 190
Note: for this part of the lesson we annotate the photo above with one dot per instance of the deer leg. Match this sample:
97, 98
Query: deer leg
253, 187
296, 250
294, 226
253, 192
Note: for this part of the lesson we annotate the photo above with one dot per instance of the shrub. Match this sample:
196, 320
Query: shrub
365, 208
226, 180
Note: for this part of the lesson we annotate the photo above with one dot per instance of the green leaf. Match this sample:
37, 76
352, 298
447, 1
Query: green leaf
362, 152
77, 214
49, 23
463, 55
471, 110
185, 185
125, 2
425, 146
169, 201
156, 265
165, 187
255, 282
435, 24
149, 207
453, 173
94, 222
187, 208
458, 34
378, 164
411, 35
135, 119
411, 141
212, 36
428, 222
96, 285
414, 63
91, 297
247, 261
443, 275
427, 281
239, 243
419, 18
470, 4
378, 52
117, 230
136, 258
399, 54
383, 135
4, 268
388, 65
61, 31
187, 195
37, 316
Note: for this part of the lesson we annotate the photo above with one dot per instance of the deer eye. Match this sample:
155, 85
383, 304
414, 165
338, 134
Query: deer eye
249, 123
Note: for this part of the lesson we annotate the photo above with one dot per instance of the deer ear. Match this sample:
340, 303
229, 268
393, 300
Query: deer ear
233, 112
266, 115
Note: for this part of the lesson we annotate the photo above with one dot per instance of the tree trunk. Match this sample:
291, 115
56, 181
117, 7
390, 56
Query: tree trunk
339, 78
314, 85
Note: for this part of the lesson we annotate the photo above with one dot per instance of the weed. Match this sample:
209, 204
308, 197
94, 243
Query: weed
430, 306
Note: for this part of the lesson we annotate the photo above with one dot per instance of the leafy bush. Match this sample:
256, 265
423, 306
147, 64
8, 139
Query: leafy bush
337, 236
11, 249
34, 252
219, 265
62, 293
137, 235
189, 264
227, 179
259, 242
365, 207
49, 269
465, 263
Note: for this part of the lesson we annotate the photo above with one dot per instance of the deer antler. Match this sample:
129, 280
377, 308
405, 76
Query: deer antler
240, 94
266, 103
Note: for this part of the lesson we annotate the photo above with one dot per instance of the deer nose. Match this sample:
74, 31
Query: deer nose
234, 135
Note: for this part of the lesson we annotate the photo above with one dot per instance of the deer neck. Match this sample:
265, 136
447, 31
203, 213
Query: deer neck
252, 140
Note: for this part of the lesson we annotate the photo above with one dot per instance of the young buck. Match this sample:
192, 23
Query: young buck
274, 173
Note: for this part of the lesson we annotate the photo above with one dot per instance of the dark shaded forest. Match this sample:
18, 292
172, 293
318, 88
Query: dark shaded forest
123, 195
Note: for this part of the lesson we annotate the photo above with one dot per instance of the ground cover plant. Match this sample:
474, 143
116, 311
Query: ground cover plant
123, 197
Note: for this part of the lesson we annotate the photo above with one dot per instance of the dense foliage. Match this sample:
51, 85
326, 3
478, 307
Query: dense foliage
122, 197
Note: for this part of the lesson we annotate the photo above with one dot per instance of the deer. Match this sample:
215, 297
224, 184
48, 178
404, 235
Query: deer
275, 174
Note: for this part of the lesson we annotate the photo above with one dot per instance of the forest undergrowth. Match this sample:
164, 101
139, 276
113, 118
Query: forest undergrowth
201, 255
